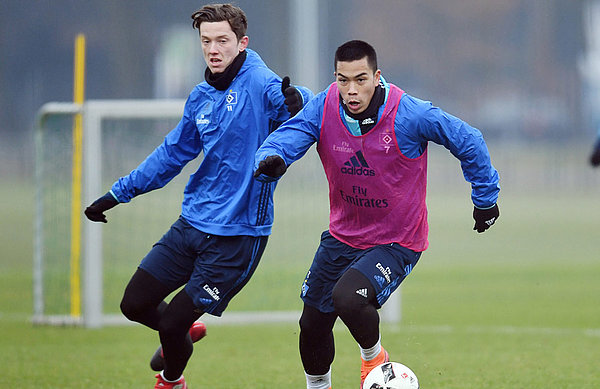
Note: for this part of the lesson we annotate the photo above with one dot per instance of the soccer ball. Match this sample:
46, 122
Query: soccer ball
391, 375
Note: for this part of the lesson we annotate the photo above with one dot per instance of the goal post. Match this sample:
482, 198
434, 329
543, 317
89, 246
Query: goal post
117, 136
78, 98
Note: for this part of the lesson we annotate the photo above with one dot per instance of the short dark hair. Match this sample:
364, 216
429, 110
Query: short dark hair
222, 12
355, 50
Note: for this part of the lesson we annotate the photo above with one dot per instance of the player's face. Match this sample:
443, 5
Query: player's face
220, 45
356, 83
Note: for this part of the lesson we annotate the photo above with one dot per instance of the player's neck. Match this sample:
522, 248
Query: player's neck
221, 81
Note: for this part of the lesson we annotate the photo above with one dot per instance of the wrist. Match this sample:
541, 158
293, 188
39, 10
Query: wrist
113, 195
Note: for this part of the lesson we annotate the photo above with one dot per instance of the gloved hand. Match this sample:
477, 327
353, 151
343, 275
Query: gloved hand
485, 218
272, 166
293, 98
95, 212
595, 157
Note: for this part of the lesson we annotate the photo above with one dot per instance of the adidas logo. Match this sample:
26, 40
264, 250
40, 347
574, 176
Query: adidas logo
362, 292
357, 160
367, 121
491, 221
357, 166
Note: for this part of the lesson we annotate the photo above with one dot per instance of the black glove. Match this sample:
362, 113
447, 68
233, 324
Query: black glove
595, 157
485, 218
293, 98
95, 212
272, 166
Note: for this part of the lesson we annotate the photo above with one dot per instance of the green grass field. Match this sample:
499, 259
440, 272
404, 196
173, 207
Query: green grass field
515, 307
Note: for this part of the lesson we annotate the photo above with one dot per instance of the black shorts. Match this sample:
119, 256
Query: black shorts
385, 266
213, 268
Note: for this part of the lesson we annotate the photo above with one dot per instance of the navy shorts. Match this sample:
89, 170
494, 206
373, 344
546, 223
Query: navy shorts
385, 266
212, 268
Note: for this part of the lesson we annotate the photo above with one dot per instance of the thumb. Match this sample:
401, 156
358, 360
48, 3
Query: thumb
285, 83
260, 168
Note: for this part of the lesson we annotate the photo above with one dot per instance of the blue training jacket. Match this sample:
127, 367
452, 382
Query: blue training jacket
221, 197
417, 122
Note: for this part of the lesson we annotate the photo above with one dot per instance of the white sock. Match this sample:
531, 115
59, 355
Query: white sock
318, 381
370, 353
162, 374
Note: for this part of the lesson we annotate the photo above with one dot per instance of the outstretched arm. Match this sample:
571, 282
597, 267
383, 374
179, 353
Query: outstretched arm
180, 146
466, 143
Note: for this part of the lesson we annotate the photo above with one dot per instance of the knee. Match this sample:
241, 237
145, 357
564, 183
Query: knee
306, 323
142, 296
136, 308
131, 308
347, 301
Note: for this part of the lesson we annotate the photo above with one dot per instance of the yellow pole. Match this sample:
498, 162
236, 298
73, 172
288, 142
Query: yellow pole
78, 96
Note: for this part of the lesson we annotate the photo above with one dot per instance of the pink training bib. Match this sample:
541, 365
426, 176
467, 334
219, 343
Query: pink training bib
376, 194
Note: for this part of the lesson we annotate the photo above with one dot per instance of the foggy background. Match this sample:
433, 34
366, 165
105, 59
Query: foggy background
518, 70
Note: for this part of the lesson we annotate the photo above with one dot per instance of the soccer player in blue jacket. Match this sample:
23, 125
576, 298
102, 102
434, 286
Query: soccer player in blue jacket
372, 139
216, 244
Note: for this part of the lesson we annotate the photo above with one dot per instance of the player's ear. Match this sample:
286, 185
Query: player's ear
377, 76
243, 43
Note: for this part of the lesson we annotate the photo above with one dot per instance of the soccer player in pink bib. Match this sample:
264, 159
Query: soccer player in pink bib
372, 140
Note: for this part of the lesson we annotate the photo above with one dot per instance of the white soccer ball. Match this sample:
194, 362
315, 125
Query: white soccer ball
391, 375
